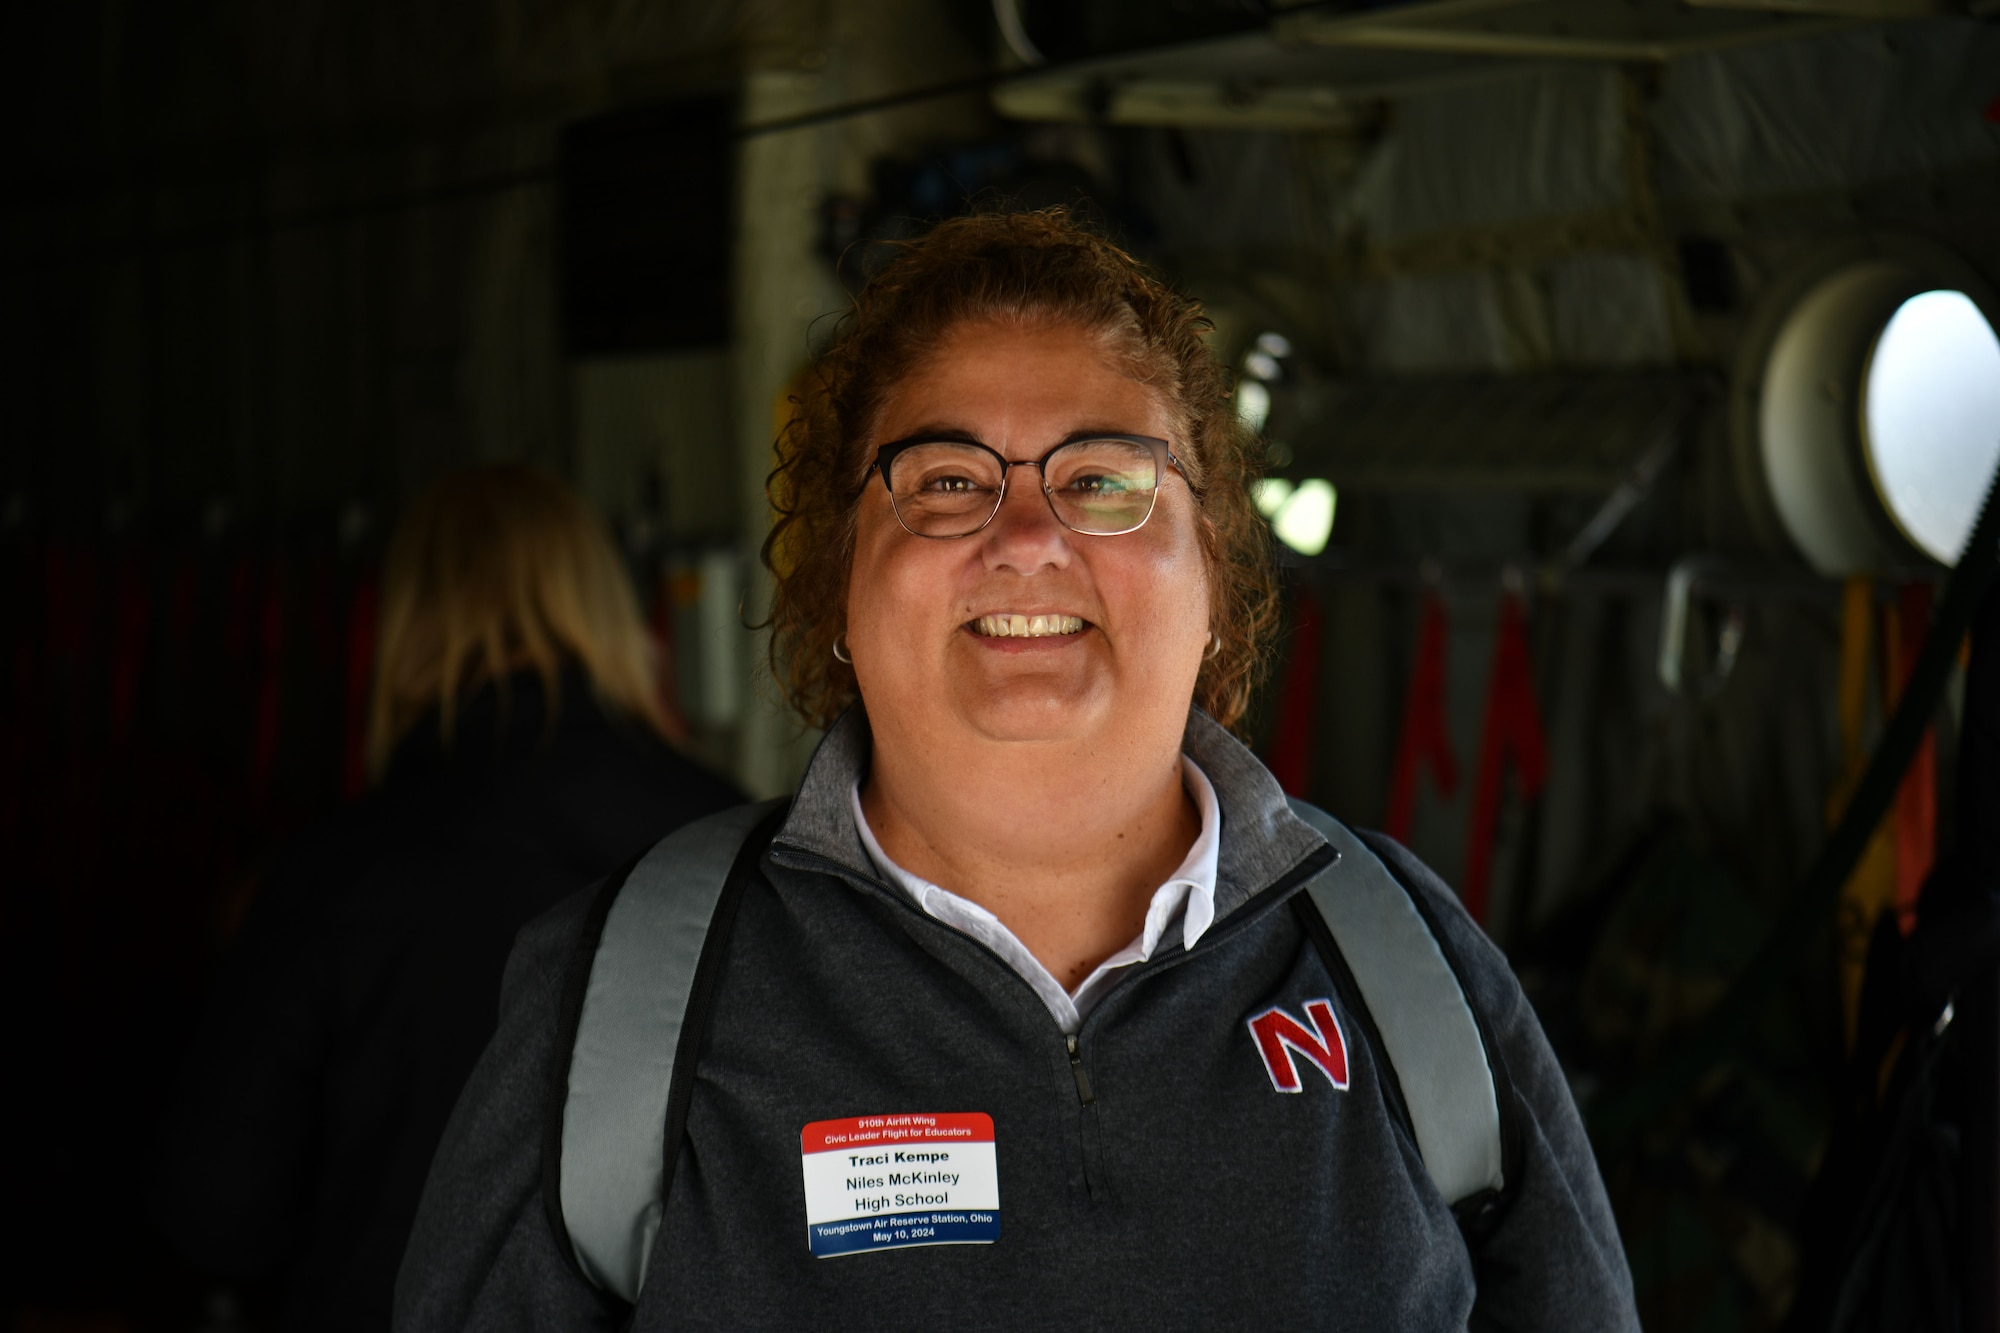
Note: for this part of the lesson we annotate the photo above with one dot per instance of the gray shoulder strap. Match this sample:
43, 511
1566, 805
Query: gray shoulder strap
621, 1070
1418, 1006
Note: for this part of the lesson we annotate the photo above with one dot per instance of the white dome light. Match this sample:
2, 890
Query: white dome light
1932, 416
1274, 344
1270, 495
1305, 520
1261, 364
1253, 404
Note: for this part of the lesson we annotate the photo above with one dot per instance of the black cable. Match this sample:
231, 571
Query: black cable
1621, 1115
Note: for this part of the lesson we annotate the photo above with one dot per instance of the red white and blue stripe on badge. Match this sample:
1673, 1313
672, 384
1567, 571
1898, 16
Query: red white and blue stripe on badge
1280, 1037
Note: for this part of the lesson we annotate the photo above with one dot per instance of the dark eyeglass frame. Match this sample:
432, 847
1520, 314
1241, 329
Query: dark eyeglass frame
1163, 458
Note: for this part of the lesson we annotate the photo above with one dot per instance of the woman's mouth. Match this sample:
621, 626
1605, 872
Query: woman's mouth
1006, 626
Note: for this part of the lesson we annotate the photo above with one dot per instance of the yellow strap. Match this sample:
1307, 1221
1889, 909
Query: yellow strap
1872, 887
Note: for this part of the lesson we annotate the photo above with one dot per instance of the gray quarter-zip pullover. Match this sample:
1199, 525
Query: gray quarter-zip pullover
1150, 1172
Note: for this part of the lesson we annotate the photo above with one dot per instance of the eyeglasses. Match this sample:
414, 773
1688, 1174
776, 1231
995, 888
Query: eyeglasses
1103, 485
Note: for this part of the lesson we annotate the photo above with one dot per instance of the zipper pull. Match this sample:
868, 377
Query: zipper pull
1076, 1068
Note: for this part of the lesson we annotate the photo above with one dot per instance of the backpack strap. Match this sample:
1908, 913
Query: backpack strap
632, 1024
1434, 1042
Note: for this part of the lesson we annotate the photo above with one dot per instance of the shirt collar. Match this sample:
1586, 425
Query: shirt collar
1258, 837
1197, 869
1192, 883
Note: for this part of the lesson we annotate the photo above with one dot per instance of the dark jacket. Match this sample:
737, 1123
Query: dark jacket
362, 988
1183, 1191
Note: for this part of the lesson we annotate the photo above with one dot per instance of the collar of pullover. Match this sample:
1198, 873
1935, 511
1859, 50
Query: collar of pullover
1261, 837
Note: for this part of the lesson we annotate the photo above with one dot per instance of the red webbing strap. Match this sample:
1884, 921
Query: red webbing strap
1916, 799
270, 672
1290, 760
181, 601
361, 615
1512, 732
1424, 738
131, 610
321, 602
72, 588
72, 607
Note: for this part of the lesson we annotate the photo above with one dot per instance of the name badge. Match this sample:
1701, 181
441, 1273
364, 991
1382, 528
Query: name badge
883, 1182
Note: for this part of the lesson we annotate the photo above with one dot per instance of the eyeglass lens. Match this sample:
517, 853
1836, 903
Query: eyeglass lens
1096, 486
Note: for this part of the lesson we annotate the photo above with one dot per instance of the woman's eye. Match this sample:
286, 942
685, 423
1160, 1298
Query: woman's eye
1096, 483
949, 485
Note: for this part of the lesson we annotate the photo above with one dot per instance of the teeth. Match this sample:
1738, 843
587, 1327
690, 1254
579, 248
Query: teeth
1027, 627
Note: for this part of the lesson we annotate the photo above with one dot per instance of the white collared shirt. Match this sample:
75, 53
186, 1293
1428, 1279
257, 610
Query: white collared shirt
1186, 900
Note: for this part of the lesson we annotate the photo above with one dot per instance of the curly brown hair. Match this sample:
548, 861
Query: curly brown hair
1039, 267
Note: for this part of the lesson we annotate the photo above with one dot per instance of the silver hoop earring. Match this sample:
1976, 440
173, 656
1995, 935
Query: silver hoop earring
839, 654
1214, 646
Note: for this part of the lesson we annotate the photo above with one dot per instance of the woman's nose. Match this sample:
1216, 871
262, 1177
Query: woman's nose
1025, 534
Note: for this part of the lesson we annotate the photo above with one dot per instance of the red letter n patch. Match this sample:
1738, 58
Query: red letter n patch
1278, 1035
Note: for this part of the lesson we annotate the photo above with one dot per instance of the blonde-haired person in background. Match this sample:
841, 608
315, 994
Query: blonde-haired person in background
492, 572
519, 751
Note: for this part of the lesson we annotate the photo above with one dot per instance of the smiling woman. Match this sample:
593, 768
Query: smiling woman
1032, 910
960, 713
1026, 272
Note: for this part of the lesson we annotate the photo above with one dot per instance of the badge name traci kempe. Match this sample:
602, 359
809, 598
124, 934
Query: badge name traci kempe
882, 1182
